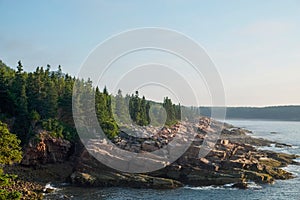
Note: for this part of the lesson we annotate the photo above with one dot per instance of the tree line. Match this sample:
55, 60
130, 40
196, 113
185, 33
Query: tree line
40, 98
43, 98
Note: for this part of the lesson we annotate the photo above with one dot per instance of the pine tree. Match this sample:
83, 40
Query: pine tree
20, 100
143, 113
121, 108
65, 101
19, 92
104, 113
170, 110
6, 77
148, 113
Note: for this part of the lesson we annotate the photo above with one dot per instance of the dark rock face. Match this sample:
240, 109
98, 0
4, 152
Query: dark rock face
232, 159
90, 172
110, 179
240, 185
46, 149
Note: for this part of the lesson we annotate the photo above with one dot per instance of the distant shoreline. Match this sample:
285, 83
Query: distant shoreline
272, 113
257, 119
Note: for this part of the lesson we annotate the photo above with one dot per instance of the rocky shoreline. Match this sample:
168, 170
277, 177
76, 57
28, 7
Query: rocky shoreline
234, 159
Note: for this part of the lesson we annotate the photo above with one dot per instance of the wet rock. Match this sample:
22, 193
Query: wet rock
282, 145
240, 185
109, 178
224, 142
149, 146
258, 177
82, 179
270, 162
49, 190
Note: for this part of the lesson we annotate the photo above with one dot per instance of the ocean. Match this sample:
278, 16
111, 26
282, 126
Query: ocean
279, 131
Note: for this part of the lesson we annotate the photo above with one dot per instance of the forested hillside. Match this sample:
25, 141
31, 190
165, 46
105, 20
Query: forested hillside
43, 99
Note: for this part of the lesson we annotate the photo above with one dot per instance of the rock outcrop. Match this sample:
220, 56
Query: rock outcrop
90, 172
231, 159
44, 149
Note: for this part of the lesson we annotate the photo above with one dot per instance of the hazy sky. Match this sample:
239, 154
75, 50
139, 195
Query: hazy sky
254, 44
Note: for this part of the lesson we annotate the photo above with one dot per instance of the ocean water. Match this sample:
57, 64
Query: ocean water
280, 131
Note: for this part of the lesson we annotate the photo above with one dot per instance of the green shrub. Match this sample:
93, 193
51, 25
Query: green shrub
6, 195
7, 180
10, 150
58, 129
110, 129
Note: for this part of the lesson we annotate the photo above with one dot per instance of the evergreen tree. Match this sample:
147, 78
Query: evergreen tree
36, 92
6, 77
19, 91
20, 100
65, 101
121, 108
104, 113
50, 101
143, 113
148, 113
167, 104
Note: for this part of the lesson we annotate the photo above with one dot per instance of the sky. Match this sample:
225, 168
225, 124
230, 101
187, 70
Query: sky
255, 45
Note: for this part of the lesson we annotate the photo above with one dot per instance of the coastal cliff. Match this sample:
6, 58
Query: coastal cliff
45, 149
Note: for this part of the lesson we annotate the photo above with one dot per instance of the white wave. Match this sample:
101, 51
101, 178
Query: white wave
294, 169
49, 186
251, 186
210, 188
64, 184
272, 145
229, 185
254, 186
297, 160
